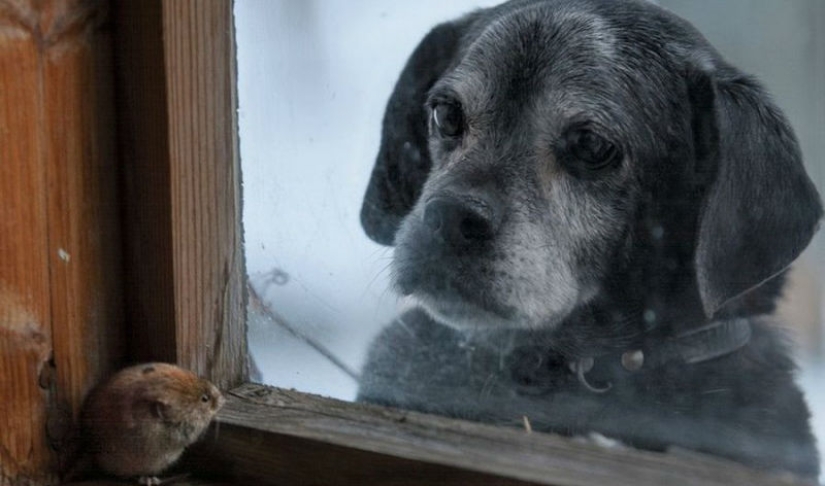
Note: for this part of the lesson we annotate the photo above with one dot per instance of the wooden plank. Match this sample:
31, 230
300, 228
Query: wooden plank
286, 437
257, 457
60, 288
83, 207
25, 333
178, 142
199, 56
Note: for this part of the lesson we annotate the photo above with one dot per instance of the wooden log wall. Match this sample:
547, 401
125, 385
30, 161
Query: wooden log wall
60, 293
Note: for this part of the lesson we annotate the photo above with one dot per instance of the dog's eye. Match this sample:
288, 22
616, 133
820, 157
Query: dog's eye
448, 119
591, 150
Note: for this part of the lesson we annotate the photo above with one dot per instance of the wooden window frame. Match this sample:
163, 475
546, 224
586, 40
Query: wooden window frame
187, 300
183, 299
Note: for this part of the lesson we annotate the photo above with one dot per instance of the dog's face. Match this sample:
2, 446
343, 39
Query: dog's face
532, 177
535, 153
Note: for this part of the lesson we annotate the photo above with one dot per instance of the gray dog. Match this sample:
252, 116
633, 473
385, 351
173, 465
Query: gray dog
594, 212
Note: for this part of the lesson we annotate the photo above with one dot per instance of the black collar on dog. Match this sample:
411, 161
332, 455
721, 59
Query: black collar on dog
705, 343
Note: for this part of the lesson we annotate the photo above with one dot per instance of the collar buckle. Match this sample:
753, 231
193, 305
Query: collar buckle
714, 340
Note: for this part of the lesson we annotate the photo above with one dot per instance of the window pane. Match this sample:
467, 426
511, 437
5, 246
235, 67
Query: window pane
566, 142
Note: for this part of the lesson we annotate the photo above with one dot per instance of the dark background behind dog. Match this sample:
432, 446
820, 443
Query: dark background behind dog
323, 116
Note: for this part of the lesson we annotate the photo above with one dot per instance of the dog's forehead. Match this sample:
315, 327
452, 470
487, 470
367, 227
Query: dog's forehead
571, 57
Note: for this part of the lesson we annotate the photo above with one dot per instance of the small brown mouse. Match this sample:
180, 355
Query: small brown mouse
139, 421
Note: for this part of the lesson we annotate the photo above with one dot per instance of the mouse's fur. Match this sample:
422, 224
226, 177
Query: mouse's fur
139, 421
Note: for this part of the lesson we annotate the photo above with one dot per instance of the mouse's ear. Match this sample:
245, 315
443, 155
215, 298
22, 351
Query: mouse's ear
761, 209
403, 161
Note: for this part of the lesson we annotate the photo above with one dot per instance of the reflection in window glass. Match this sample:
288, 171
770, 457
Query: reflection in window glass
560, 199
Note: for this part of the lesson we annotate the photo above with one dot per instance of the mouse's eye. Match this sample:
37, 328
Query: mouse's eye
448, 119
205, 398
590, 150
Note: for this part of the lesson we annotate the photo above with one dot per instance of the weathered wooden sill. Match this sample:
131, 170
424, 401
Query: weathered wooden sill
266, 435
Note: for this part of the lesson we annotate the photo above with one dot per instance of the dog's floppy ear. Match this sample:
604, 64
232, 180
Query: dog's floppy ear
761, 209
403, 158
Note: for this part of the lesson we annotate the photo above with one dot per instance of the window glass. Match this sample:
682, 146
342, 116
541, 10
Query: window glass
582, 133
313, 81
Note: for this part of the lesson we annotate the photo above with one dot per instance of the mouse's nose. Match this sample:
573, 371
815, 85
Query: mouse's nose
461, 222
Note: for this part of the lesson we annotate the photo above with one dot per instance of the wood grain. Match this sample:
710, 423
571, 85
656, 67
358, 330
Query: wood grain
178, 132
199, 55
60, 307
25, 332
276, 436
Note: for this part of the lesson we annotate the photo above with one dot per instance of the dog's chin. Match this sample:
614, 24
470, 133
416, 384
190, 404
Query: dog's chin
468, 316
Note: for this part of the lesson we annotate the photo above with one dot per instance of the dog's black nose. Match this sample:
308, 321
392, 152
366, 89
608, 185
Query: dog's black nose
460, 222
